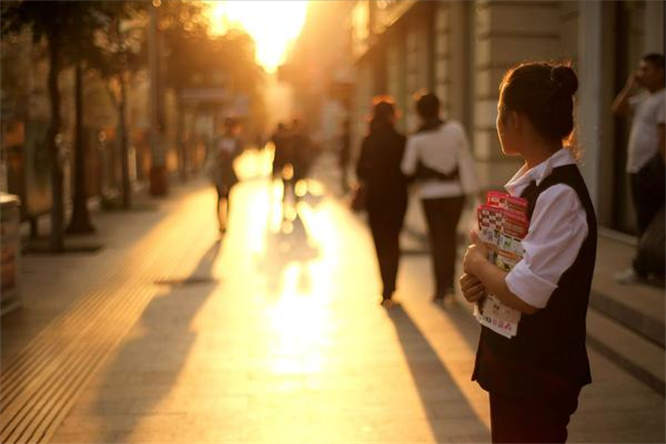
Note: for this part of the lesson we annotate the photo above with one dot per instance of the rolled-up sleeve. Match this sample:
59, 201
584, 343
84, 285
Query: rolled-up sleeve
557, 231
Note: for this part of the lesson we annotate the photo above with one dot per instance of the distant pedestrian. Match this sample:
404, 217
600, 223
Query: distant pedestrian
302, 156
437, 157
535, 377
344, 155
226, 148
282, 157
378, 169
645, 156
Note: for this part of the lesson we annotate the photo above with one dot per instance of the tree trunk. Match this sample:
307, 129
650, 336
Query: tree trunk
124, 143
56, 240
80, 222
182, 161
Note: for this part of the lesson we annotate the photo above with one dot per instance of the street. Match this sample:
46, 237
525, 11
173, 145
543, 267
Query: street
272, 334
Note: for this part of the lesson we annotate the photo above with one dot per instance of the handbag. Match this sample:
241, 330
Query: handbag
359, 198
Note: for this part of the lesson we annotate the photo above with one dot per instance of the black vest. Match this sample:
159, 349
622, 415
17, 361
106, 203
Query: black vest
548, 355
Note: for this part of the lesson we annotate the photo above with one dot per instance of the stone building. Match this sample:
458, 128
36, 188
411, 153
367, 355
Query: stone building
460, 50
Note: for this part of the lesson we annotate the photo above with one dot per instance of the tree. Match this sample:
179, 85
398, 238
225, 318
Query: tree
63, 25
102, 18
121, 53
186, 42
195, 59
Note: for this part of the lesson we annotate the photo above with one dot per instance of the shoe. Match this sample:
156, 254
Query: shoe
386, 298
438, 299
386, 302
628, 277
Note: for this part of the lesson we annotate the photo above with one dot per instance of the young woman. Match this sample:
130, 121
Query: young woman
534, 378
378, 169
437, 157
221, 171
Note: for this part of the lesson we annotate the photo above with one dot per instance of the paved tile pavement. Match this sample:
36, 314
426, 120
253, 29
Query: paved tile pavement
274, 334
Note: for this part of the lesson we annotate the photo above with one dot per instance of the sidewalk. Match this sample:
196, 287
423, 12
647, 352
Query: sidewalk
625, 322
167, 335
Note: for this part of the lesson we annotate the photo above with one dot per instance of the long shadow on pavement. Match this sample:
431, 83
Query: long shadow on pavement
283, 249
146, 369
451, 417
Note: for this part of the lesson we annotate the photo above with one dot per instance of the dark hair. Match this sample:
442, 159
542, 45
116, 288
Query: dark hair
383, 112
230, 122
544, 93
657, 60
427, 105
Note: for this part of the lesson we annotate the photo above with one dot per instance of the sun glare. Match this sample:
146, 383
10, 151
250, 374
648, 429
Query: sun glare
273, 25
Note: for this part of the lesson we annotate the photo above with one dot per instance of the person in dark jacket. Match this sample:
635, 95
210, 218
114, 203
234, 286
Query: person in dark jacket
282, 157
534, 378
378, 169
220, 166
344, 155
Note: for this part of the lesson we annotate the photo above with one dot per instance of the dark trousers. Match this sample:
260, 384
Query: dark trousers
442, 216
385, 226
222, 204
647, 192
533, 420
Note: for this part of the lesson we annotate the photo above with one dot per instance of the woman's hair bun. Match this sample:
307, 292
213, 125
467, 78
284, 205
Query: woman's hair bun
565, 78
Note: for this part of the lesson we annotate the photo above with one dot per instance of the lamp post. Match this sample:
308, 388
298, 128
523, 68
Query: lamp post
158, 179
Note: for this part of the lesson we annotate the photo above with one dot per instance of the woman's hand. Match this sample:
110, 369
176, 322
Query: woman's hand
472, 288
476, 254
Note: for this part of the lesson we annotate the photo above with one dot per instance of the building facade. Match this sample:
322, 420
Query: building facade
461, 49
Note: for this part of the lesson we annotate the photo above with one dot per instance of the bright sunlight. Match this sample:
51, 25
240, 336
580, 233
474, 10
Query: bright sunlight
273, 25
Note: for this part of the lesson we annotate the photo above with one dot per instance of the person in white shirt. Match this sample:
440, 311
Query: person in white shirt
645, 155
437, 157
534, 378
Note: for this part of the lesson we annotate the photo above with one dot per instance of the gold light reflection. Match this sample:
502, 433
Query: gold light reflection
273, 25
300, 321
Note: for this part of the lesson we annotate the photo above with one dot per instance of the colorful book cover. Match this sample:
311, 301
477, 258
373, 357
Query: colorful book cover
503, 223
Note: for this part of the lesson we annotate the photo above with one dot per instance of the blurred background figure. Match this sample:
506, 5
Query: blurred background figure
378, 169
344, 155
303, 155
645, 157
437, 157
282, 157
226, 147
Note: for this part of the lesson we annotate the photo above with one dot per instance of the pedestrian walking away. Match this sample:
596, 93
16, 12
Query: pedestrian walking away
344, 155
219, 165
645, 153
282, 157
437, 157
378, 169
302, 157
534, 378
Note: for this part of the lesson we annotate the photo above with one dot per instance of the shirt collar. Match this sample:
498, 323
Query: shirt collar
517, 184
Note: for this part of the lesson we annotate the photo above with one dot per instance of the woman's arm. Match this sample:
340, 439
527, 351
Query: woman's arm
621, 106
362, 166
558, 228
492, 277
410, 158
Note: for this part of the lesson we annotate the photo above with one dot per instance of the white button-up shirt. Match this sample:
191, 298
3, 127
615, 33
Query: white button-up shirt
649, 112
442, 149
557, 230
